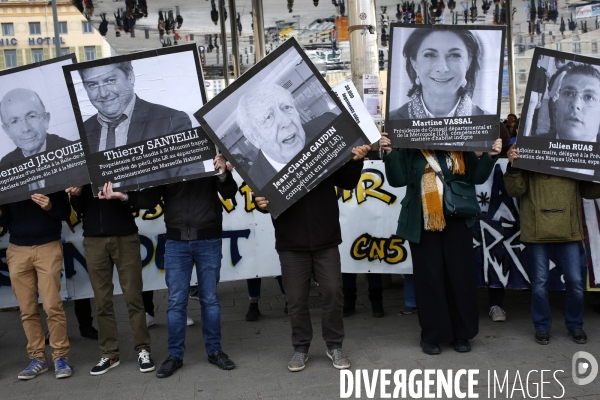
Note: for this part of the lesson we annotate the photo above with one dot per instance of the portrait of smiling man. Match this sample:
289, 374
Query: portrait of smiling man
269, 119
25, 121
124, 118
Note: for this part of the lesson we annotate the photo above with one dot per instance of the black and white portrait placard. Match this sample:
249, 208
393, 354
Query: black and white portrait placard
135, 117
40, 149
282, 127
559, 133
444, 85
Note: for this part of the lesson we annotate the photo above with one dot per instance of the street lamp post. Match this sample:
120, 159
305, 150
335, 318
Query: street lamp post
56, 31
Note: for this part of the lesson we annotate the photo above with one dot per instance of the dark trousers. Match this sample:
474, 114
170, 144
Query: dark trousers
445, 283
297, 269
83, 312
254, 287
496, 296
349, 281
102, 254
148, 298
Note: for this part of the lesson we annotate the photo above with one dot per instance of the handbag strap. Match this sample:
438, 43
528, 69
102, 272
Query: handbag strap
439, 173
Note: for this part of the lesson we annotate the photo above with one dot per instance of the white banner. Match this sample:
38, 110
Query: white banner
368, 217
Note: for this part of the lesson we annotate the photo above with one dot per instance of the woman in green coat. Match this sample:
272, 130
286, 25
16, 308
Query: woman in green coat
441, 246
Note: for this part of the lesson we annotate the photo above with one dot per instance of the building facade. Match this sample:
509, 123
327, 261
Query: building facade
27, 33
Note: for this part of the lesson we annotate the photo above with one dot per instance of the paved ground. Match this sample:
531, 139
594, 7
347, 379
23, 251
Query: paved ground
261, 350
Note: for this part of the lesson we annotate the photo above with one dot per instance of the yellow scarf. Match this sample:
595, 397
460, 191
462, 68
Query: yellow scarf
432, 189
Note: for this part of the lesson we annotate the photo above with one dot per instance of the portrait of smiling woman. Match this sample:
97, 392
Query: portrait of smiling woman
442, 67
443, 72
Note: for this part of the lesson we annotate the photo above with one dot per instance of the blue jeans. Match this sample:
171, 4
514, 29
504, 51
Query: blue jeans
409, 291
180, 257
568, 256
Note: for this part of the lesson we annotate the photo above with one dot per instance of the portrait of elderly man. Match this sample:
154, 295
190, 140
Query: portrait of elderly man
124, 118
269, 119
25, 121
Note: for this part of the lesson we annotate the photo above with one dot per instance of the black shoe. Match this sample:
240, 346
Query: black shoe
221, 360
88, 332
194, 293
377, 307
462, 346
168, 367
542, 337
578, 336
431, 349
253, 312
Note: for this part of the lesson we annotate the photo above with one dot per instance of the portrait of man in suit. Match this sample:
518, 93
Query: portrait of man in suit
25, 121
270, 121
123, 117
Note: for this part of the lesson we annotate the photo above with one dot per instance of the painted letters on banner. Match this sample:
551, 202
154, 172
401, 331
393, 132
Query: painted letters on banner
368, 247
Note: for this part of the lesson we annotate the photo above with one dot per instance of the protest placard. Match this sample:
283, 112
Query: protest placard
444, 85
134, 115
40, 149
282, 127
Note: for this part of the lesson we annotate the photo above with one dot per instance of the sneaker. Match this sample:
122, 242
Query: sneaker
35, 368
578, 336
149, 320
298, 361
194, 293
62, 369
221, 360
189, 321
497, 314
407, 310
542, 337
104, 365
340, 361
89, 332
168, 367
146, 363
253, 312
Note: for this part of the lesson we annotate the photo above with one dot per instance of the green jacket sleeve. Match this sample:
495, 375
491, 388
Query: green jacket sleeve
589, 190
516, 181
479, 168
395, 168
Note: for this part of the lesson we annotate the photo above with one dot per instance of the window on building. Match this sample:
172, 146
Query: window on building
62, 28
35, 28
87, 27
37, 55
594, 47
64, 51
10, 57
8, 30
576, 47
90, 53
